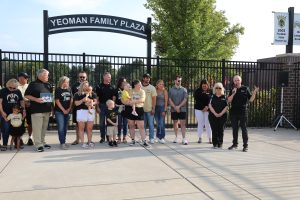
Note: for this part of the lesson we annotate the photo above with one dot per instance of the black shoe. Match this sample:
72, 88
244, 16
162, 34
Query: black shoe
232, 147
40, 149
220, 145
29, 142
102, 140
146, 145
110, 143
245, 149
47, 146
115, 143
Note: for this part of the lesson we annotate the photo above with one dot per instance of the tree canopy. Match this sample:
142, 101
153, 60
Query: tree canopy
192, 29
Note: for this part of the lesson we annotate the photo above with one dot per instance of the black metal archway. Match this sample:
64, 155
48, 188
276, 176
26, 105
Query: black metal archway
90, 22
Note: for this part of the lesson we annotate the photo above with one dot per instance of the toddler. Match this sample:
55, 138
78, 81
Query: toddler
126, 97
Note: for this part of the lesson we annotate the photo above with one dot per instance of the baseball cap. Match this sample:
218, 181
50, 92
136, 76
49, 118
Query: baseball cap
24, 74
146, 75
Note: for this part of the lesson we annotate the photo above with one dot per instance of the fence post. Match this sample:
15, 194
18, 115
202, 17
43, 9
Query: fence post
223, 72
158, 68
83, 61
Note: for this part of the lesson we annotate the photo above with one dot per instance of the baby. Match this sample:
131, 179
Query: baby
126, 97
88, 101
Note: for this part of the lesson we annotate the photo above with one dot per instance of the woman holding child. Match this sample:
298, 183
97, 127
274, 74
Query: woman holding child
135, 101
85, 100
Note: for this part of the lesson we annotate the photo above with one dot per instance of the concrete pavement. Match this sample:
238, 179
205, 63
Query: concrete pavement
269, 170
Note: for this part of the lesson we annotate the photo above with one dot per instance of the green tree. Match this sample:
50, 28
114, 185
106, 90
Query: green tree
192, 29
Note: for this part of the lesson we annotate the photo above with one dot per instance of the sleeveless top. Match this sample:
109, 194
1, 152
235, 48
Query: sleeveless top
160, 99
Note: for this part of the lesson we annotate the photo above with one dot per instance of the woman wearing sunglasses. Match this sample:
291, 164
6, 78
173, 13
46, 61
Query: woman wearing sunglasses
218, 107
9, 96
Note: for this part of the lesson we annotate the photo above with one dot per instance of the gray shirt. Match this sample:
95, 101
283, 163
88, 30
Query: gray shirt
177, 95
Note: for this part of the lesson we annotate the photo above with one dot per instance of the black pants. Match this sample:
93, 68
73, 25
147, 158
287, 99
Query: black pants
236, 121
217, 125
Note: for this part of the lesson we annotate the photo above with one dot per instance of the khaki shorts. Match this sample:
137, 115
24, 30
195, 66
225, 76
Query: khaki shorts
112, 130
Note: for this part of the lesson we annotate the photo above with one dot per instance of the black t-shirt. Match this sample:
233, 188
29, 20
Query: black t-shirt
112, 115
201, 98
78, 97
9, 98
43, 90
75, 87
64, 96
240, 100
218, 103
105, 92
118, 94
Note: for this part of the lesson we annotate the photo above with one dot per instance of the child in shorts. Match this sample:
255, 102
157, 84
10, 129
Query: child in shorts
125, 97
111, 123
16, 127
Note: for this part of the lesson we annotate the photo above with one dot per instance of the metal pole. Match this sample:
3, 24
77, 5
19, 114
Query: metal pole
46, 51
148, 30
289, 46
223, 72
83, 61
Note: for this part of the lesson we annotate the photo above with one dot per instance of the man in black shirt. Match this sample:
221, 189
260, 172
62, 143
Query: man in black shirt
104, 91
239, 97
39, 92
82, 76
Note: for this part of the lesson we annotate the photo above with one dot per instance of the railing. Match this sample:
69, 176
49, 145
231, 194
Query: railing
261, 113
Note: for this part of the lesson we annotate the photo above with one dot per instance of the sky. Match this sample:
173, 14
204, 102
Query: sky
21, 26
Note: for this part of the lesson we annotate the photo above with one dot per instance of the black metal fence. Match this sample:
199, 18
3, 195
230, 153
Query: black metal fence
265, 75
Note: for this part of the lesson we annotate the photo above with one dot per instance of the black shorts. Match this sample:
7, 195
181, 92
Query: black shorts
128, 113
74, 114
178, 116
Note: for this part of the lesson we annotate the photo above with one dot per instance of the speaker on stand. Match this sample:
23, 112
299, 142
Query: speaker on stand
283, 81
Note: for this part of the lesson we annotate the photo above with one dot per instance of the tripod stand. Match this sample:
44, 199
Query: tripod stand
281, 117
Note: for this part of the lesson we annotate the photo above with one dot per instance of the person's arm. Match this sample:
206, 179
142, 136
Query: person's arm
254, 94
1, 109
231, 95
153, 104
223, 111
57, 102
166, 101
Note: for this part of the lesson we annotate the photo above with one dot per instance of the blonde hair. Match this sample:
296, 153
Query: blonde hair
109, 102
12, 83
220, 85
158, 82
62, 80
80, 90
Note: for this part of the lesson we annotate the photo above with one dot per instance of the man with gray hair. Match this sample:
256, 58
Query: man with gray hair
39, 93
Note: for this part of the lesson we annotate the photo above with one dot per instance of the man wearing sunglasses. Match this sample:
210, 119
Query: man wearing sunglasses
177, 99
82, 76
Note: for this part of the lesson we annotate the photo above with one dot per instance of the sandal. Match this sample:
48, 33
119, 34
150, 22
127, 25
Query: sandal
3, 148
74, 143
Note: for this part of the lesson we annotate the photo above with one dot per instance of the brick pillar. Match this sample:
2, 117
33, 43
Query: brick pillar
291, 93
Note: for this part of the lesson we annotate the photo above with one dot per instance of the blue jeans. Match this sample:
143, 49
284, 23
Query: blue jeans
149, 119
4, 131
122, 123
102, 114
160, 122
62, 126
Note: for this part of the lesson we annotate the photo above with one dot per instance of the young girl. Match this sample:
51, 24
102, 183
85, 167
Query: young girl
126, 97
16, 128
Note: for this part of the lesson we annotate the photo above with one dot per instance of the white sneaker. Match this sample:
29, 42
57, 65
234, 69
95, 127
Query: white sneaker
184, 141
151, 141
161, 141
85, 146
91, 144
64, 146
176, 140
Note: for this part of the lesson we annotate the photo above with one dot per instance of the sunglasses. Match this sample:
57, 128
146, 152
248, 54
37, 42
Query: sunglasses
82, 77
12, 88
218, 88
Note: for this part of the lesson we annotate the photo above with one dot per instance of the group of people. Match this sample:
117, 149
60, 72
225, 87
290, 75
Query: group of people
126, 106
211, 111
